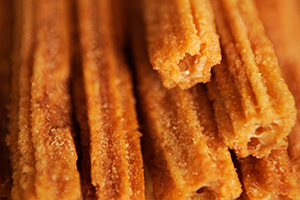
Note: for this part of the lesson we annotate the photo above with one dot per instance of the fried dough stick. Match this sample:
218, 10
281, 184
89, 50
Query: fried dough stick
184, 156
45, 153
183, 44
115, 153
20, 31
253, 107
271, 177
5, 74
282, 23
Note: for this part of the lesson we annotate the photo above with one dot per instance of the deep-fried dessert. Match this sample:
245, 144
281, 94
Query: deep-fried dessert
42, 148
253, 107
182, 41
114, 151
282, 23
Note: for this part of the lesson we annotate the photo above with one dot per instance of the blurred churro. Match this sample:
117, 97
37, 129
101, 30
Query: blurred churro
115, 154
282, 23
43, 151
182, 41
5, 74
184, 156
253, 107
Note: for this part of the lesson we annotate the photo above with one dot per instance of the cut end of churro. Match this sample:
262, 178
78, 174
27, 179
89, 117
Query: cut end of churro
182, 41
254, 109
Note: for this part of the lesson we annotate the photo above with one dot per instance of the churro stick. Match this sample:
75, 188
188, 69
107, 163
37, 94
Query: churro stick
115, 154
51, 117
271, 177
12, 138
253, 107
282, 23
5, 73
183, 44
184, 156
43, 150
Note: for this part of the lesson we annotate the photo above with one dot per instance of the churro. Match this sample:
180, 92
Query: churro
183, 153
253, 107
115, 154
282, 23
5, 73
271, 177
42, 148
183, 44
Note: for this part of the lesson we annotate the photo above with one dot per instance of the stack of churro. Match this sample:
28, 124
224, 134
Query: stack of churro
182, 150
207, 110
253, 107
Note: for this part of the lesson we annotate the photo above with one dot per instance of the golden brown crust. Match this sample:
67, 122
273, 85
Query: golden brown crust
271, 177
182, 41
5, 75
281, 20
180, 145
254, 108
116, 161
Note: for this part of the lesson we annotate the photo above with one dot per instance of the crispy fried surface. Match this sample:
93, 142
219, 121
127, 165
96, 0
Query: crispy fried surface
115, 155
253, 107
182, 41
5, 75
281, 20
184, 156
41, 143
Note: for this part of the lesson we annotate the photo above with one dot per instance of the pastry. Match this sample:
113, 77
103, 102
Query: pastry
116, 167
253, 107
183, 44
43, 152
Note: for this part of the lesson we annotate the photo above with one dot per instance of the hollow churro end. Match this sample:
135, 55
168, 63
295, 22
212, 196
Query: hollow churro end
262, 138
183, 44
